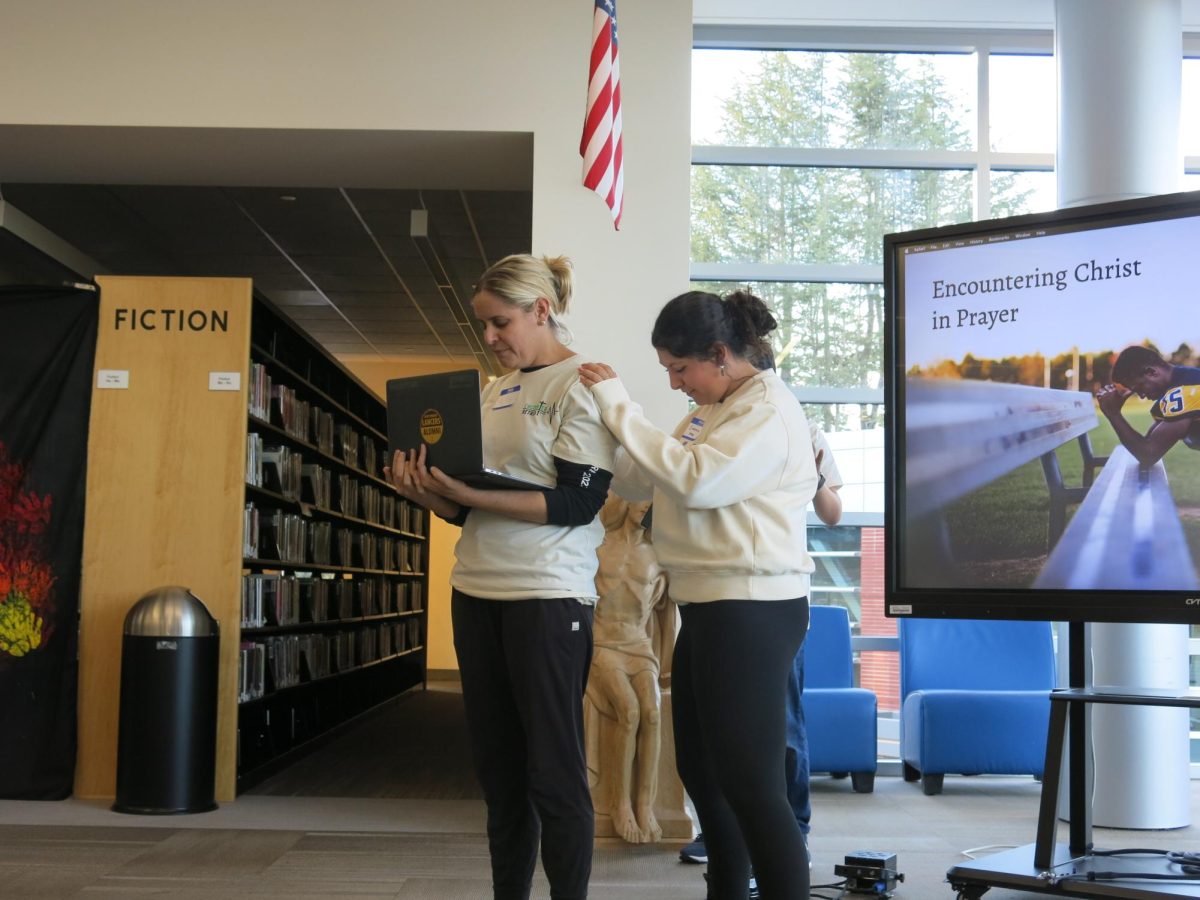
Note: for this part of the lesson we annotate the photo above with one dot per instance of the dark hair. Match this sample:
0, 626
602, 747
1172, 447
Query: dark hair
1132, 360
692, 324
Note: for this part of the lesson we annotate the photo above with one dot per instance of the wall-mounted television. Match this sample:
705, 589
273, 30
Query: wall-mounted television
1042, 381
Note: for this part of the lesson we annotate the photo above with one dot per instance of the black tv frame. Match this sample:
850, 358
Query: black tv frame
1064, 605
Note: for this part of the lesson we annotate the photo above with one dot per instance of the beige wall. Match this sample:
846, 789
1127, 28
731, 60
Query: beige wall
460, 65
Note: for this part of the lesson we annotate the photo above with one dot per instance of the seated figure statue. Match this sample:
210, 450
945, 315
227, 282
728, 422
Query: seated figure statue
634, 635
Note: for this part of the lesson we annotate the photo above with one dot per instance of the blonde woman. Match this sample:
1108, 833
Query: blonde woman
524, 579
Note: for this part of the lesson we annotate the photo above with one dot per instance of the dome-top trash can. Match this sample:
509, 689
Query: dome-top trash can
167, 737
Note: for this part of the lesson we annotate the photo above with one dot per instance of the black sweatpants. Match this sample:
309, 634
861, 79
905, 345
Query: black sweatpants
729, 682
524, 667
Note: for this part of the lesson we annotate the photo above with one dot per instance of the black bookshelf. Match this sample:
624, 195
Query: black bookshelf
335, 563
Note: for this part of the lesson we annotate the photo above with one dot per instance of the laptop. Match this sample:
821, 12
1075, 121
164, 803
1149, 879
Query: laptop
442, 412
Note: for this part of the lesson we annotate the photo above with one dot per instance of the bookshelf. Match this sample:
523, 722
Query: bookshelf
242, 461
334, 583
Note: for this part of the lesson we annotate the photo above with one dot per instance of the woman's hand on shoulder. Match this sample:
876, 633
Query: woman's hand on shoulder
591, 374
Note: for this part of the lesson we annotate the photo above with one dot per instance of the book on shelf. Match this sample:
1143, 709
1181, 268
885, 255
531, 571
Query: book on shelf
386, 548
368, 645
314, 599
344, 544
343, 598
345, 495
416, 521
281, 470
320, 543
269, 598
365, 554
283, 660
416, 598
289, 412
402, 600
367, 603
342, 651
348, 443
411, 557
316, 486
252, 660
322, 430
368, 502
259, 391
254, 448
370, 456
387, 595
282, 536
253, 615
250, 531
315, 656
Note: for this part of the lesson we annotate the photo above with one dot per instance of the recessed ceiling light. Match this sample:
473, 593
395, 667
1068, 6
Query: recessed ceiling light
290, 198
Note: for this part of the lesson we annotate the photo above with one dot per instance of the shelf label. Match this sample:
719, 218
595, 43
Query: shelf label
224, 381
112, 379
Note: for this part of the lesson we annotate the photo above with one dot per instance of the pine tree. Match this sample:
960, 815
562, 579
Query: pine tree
774, 214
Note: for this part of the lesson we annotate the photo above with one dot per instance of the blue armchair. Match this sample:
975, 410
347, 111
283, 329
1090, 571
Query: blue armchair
975, 698
840, 719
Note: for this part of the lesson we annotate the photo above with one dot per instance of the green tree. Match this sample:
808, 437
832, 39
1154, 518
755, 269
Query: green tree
807, 214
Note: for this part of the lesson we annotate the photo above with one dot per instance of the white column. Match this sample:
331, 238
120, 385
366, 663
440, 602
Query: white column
1119, 70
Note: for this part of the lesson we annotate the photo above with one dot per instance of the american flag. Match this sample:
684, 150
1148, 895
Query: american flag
603, 159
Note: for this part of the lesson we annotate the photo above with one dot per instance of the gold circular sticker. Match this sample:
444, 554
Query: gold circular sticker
432, 426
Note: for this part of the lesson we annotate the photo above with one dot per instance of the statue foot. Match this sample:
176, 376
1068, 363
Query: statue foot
651, 830
625, 825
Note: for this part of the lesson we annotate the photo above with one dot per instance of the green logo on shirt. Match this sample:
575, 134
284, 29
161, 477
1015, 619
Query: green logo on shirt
541, 408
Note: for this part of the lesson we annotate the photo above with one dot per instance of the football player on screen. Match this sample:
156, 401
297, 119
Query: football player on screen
1175, 392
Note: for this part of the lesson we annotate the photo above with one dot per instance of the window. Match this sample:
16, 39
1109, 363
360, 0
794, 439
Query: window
803, 158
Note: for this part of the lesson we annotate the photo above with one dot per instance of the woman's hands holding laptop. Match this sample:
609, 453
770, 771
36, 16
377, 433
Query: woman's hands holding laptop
430, 487
448, 497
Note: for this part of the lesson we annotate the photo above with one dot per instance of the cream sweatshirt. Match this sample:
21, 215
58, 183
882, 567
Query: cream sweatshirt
730, 489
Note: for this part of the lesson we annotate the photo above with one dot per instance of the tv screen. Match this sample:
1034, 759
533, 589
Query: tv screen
1043, 391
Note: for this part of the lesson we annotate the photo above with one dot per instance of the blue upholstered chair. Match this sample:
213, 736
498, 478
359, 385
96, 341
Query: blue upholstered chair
839, 718
974, 698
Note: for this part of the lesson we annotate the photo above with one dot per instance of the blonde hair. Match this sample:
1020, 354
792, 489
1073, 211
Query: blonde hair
520, 279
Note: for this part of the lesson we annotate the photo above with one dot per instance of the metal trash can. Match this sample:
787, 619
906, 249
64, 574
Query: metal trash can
167, 738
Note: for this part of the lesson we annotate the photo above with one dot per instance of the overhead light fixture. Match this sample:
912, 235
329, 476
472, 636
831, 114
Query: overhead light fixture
452, 293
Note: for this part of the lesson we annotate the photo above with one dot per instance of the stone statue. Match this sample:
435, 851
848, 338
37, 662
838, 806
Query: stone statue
634, 634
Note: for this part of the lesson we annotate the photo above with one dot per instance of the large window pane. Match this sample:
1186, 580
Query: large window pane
1022, 105
828, 335
1189, 122
836, 581
855, 435
1017, 193
786, 214
799, 98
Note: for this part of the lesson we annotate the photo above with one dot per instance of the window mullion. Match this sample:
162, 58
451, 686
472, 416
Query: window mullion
983, 172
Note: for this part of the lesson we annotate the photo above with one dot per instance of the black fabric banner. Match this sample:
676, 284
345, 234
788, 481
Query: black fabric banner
47, 347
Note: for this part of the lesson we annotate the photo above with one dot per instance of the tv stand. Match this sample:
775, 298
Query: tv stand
1061, 870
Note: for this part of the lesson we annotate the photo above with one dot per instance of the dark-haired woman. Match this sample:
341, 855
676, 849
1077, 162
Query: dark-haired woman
730, 489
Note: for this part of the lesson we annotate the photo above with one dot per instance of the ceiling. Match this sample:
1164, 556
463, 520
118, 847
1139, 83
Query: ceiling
369, 241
